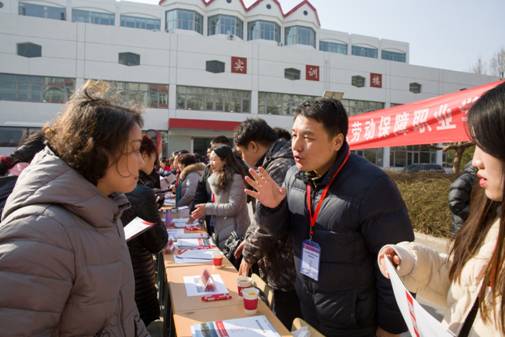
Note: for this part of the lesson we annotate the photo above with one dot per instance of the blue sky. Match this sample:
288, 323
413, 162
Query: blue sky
449, 34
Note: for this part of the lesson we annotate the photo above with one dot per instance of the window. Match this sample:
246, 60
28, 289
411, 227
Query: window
141, 23
28, 49
225, 24
263, 30
99, 18
409, 155
35, 88
129, 59
300, 35
375, 156
41, 11
393, 56
354, 106
358, 81
184, 19
292, 74
415, 88
214, 66
273, 103
213, 99
365, 51
150, 95
333, 47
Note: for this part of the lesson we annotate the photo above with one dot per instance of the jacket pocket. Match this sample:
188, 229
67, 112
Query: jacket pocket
336, 309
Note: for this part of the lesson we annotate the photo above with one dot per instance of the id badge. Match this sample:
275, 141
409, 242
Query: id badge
311, 254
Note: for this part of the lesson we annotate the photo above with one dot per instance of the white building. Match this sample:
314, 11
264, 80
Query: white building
202, 67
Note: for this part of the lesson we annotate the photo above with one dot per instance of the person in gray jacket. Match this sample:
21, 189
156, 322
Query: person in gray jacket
191, 172
228, 210
65, 269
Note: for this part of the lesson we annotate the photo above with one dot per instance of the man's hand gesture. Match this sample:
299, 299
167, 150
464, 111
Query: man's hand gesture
265, 189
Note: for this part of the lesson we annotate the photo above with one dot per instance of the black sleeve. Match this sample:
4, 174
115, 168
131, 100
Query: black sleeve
155, 238
201, 195
384, 220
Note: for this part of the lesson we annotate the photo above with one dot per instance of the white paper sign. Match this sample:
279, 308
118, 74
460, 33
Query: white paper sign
194, 286
418, 320
136, 227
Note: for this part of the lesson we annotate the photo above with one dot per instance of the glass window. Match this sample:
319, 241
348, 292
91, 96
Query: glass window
300, 35
333, 47
225, 24
184, 19
140, 23
35, 88
354, 107
292, 74
264, 30
393, 56
129, 59
375, 156
99, 18
402, 156
214, 66
273, 103
28, 49
213, 99
149, 95
41, 11
415, 87
365, 51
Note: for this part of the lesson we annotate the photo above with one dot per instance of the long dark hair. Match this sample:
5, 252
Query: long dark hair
231, 166
486, 125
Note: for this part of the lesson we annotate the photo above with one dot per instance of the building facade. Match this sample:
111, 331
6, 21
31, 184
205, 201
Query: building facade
201, 67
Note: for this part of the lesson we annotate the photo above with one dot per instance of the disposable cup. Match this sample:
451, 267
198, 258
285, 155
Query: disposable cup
217, 260
242, 283
250, 296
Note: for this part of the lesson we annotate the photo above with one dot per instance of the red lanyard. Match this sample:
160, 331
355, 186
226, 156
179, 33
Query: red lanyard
313, 217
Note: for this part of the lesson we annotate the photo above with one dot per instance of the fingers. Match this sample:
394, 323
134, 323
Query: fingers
264, 174
251, 193
251, 182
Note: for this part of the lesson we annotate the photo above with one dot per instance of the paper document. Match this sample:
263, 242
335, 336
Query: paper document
194, 243
195, 287
418, 320
136, 227
256, 326
194, 255
180, 222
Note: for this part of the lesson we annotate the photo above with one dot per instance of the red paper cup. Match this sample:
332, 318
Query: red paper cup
242, 283
217, 260
250, 296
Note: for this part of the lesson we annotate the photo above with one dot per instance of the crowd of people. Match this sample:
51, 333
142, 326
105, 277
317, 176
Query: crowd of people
313, 219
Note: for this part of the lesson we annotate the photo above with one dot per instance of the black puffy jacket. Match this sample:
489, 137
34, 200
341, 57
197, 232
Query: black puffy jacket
362, 212
459, 197
142, 248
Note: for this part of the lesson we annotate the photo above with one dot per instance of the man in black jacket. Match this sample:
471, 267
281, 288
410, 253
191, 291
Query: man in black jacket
339, 210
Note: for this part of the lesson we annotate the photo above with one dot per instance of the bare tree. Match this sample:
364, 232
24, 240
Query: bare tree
497, 63
459, 149
479, 67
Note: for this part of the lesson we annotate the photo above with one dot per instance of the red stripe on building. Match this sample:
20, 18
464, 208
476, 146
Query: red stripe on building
202, 124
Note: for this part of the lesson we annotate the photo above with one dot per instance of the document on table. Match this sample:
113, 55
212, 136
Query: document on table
136, 227
194, 255
195, 287
255, 326
419, 321
180, 222
194, 243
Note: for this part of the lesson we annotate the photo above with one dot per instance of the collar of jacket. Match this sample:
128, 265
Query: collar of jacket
49, 180
280, 148
197, 167
309, 177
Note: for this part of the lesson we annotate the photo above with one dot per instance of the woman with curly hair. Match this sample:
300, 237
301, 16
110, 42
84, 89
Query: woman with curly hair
65, 269
228, 210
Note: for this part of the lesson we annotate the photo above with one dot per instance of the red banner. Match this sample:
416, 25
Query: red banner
434, 120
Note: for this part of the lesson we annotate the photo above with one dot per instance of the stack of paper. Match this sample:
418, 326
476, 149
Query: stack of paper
256, 326
194, 243
194, 255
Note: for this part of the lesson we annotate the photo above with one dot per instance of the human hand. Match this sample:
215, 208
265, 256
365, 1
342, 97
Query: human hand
265, 189
239, 250
244, 268
383, 333
390, 253
198, 212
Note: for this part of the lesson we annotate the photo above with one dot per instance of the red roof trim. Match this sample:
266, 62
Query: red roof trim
202, 124
257, 2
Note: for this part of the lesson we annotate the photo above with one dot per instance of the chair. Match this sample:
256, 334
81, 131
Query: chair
264, 288
298, 323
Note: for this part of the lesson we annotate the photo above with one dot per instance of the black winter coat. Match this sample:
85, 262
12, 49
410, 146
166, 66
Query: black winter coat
362, 212
142, 248
459, 197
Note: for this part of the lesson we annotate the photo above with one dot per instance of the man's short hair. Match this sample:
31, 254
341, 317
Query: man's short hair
254, 129
327, 111
221, 140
